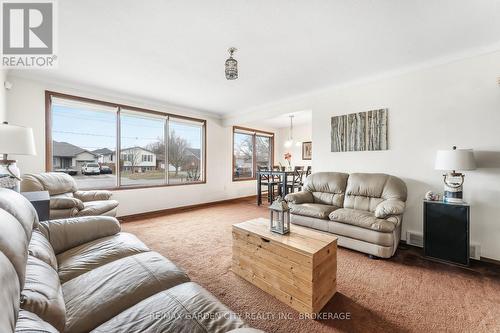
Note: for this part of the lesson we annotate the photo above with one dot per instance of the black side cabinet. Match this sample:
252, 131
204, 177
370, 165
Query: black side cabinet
446, 231
41, 201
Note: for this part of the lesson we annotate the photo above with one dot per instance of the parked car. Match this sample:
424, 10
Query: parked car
91, 169
71, 172
106, 170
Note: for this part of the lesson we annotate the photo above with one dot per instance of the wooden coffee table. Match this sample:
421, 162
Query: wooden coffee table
299, 269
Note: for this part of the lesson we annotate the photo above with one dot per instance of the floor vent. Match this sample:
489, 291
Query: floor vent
415, 238
475, 251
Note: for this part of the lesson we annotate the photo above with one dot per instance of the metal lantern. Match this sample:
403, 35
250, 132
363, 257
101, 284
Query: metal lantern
231, 65
279, 216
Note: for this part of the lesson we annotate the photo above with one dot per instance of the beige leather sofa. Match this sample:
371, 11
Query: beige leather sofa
84, 275
364, 210
65, 199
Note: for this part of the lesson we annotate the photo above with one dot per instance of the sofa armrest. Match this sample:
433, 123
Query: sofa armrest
300, 197
65, 203
97, 195
389, 207
65, 234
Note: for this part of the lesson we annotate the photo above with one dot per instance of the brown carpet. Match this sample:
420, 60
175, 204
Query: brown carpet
403, 294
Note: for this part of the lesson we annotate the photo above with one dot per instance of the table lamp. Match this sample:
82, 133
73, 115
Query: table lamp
451, 161
15, 140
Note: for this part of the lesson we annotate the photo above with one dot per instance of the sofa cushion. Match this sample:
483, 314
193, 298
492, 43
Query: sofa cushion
40, 248
92, 208
346, 230
389, 207
300, 197
364, 219
65, 202
102, 293
88, 256
56, 214
19, 207
93, 195
54, 182
9, 294
366, 190
319, 211
328, 188
184, 308
14, 243
72, 232
28, 322
42, 293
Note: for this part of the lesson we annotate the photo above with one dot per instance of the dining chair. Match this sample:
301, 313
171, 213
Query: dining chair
297, 177
305, 174
269, 183
277, 178
308, 170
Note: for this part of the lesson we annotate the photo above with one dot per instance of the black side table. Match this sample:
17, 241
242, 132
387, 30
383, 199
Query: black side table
446, 232
41, 201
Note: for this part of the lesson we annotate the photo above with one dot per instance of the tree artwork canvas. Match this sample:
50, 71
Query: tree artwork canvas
360, 131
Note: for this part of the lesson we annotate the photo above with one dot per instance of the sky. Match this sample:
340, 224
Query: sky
92, 129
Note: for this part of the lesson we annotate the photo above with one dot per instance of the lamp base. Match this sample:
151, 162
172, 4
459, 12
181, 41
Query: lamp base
453, 188
9, 175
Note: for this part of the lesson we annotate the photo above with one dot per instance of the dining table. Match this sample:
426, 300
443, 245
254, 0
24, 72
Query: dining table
285, 177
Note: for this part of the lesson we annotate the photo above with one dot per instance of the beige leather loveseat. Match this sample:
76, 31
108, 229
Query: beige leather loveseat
364, 210
84, 275
65, 199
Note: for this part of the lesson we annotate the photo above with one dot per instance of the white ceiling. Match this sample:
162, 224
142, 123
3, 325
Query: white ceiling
283, 120
174, 51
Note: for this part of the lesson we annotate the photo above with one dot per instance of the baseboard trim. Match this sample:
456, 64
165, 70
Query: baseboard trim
483, 259
167, 211
490, 261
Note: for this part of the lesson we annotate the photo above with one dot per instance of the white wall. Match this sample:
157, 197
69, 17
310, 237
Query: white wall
301, 133
429, 109
3, 98
26, 105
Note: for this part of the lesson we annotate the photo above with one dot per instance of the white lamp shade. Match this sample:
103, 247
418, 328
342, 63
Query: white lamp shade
16, 140
457, 159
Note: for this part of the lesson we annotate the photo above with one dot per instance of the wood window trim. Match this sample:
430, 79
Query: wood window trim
48, 134
254, 160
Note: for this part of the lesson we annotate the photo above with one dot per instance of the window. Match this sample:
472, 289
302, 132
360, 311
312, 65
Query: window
147, 158
185, 153
141, 135
263, 152
83, 133
251, 149
155, 149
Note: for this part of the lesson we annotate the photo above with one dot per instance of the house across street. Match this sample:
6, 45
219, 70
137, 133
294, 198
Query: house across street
138, 166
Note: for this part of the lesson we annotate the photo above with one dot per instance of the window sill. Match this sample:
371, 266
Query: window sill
125, 188
243, 179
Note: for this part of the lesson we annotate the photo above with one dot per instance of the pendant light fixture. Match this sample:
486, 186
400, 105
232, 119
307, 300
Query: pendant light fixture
289, 142
231, 65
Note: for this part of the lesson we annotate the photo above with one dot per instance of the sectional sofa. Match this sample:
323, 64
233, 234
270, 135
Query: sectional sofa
84, 275
364, 210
